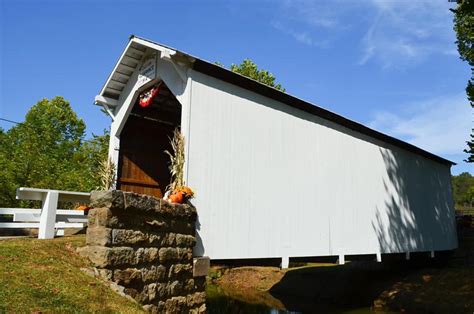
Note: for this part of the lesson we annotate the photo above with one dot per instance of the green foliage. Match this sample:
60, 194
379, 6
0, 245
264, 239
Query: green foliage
48, 150
464, 27
463, 189
470, 148
93, 163
250, 69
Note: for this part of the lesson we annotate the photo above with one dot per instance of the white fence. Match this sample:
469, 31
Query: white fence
49, 220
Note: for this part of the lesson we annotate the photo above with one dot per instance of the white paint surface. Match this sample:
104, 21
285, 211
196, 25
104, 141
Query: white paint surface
274, 181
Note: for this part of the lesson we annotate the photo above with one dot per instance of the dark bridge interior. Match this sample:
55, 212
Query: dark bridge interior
143, 164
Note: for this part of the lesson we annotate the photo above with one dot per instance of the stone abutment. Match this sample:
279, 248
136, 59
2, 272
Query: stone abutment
145, 246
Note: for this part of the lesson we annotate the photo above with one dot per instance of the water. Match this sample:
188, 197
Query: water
230, 305
315, 288
220, 301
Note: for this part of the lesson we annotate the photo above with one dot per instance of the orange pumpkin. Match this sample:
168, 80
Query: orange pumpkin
188, 193
82, 207
177, 197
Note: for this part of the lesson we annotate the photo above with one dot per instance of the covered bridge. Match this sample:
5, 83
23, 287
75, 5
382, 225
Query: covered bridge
275, 176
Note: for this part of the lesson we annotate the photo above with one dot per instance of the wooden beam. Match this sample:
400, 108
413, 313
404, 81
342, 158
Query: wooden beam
34, 194
137, 51
131, 68
48, 215
105, 101
114, 89
133, 58
117, 82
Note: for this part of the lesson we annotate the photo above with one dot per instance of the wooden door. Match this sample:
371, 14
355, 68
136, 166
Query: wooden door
143, 165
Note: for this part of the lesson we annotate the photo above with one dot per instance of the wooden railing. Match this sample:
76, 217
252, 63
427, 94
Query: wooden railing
49, 219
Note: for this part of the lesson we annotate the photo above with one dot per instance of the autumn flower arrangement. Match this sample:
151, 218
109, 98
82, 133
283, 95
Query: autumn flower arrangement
177, 191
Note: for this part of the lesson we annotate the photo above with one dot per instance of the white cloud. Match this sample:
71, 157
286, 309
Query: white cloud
404, 32
393, 33
302, 20
302, 37
440, 125
314, 13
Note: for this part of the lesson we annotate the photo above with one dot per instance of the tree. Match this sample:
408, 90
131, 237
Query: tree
89, 165
464, 28
48, 150
463, 189
470, 149
250, 69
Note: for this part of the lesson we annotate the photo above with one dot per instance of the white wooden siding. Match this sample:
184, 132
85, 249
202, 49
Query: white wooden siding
274, 181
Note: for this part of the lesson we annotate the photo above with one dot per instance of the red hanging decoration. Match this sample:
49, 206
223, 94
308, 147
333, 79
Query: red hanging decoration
146, 98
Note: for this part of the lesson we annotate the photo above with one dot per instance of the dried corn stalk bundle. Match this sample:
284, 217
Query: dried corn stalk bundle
107, 171
176, 166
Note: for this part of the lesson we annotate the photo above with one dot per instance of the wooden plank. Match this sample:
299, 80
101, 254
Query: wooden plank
34, 225
128, 67
27, 217
82, 220
102, 100
121, 84
133, 57
136, 50
19, 225
130, 62
69, 225
12, 211
123, 75
34, 194
70, 212
120, 77
35, 217
111, 89
139, 182
142, 190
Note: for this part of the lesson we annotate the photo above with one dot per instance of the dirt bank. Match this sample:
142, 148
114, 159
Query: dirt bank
354, 286
447, 290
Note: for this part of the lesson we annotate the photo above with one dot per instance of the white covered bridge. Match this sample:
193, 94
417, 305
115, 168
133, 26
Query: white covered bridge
275, 176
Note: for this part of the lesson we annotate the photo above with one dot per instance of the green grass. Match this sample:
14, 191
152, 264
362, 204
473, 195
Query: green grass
45, 276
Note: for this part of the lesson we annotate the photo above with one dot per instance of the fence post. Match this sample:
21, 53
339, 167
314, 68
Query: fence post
48, 215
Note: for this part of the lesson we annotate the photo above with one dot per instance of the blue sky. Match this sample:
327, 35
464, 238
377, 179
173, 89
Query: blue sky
390, 64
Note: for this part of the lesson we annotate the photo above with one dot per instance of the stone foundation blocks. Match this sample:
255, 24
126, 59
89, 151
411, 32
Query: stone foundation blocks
144, 246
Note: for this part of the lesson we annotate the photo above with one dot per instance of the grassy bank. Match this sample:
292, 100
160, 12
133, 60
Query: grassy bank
45, 276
